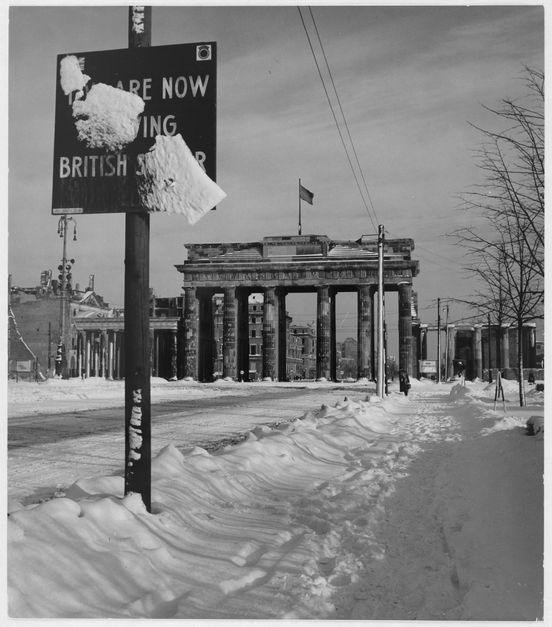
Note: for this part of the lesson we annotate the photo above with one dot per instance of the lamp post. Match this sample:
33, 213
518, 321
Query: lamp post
65, 280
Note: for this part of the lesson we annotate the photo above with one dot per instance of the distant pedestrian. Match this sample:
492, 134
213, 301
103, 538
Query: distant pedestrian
404, 382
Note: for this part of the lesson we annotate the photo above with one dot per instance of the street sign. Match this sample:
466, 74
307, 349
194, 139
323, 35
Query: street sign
427, 366
178, 86
23, 366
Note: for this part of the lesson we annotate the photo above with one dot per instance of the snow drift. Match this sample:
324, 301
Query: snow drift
292, 523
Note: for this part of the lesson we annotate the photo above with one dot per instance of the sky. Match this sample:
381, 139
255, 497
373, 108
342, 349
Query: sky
410, 79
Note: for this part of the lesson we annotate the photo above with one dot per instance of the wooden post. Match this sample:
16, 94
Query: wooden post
137, 350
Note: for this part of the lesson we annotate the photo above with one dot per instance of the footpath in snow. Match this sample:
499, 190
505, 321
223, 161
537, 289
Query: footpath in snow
426, 507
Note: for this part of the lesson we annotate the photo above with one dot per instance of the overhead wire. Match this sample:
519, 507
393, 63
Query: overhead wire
374, 224
343, 114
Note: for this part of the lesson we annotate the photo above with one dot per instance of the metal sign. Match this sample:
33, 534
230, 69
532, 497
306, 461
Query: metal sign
178, 86
428, 366
23, 366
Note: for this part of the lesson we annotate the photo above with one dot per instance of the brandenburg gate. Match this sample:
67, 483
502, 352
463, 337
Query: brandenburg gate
275, 267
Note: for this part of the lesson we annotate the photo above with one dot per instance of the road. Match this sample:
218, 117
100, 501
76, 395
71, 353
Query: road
53, 449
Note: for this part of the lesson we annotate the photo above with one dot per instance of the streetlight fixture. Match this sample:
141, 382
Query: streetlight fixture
65, 277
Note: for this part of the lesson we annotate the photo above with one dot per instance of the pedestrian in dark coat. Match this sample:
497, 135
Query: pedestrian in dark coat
404, 382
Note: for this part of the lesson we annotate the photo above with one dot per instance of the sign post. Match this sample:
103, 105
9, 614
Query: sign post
137, 344
163, 92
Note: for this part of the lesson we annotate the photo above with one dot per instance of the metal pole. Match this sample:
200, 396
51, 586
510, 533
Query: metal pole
299, 231
381, 356
136, 324
438, 340
60, 366
447, 374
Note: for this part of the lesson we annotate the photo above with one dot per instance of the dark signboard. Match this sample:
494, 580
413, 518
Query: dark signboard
178, 86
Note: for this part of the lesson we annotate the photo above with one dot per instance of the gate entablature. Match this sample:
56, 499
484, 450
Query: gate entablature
298, 261
282, 264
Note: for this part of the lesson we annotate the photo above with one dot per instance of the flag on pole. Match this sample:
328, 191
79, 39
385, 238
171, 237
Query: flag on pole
305, 195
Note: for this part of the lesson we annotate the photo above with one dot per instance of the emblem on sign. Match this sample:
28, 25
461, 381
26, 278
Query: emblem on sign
203, 52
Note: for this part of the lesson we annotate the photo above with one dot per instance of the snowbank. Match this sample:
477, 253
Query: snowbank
294, 523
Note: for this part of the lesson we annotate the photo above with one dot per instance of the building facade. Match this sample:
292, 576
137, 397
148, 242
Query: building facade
480, 347
34, 323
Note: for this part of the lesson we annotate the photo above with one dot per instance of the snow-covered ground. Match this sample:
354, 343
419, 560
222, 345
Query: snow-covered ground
421, 507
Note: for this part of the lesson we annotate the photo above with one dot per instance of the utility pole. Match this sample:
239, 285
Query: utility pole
446, 345
381, 351
438, 340
299, 225
385, 373
137, 341
64, 277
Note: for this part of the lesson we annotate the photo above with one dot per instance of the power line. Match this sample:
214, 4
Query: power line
335, 117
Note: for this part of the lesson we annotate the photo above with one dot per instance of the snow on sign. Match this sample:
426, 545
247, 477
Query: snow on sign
111, 106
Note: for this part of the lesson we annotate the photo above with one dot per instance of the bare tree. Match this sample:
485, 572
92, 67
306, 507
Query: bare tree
512, 160
506, 249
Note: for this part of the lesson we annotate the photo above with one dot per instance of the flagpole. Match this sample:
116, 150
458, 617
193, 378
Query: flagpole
299, 206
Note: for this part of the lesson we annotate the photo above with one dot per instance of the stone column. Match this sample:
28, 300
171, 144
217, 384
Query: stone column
424, 343
243, 332
364, 331
87, 356
282, 334
416, 332
174, 355
110, 355
81, 351
333, 354
477, 352
451, 350
121, 354
96, 345
229, 334
206, 339
104, 354
529, 345
505, 347
405, 328
191, 333
323, 333
269, 334
153, 352
117, 355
